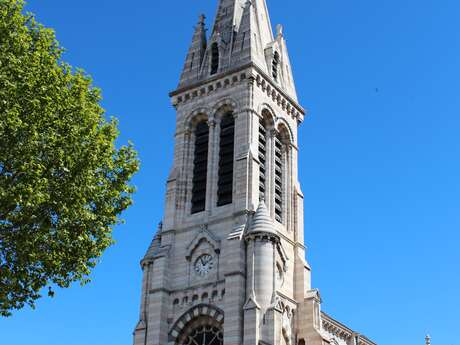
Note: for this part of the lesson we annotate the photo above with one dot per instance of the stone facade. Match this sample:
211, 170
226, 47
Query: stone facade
235, 273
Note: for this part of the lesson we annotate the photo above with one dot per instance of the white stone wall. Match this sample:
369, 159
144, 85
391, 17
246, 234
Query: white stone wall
260, 285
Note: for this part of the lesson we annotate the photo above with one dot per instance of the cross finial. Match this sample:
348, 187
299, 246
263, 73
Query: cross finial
428, 340
201, 19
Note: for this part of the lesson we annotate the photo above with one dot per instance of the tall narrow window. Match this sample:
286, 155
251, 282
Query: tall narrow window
200, 167
279, 172
226, 154
214, 58
275, 65
262, 157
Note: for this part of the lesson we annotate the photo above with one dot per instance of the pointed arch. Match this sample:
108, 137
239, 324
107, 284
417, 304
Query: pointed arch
203, 235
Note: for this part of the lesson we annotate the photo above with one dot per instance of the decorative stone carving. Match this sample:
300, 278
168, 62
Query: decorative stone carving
287, 327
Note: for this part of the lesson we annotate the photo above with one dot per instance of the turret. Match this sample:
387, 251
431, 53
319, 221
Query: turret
261, 239
263, 242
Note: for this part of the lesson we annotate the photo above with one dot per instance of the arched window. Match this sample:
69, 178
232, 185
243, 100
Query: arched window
214, 58
176, 301
262, 157
279, 177
205, 335
200, 167
275, 65
202, 330
227, 148
214, 295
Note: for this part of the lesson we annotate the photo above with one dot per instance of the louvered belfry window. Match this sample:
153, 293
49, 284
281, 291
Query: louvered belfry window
200, 167
262, 157
214, 58
279, 166
275, 64
226, 154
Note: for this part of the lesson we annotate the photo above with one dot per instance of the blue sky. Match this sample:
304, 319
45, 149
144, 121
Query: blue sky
379, 158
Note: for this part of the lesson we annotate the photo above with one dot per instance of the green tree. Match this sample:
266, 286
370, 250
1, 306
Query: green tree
63, 182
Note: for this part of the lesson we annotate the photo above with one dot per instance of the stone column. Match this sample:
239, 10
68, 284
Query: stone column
233, 269
158, 302
251, 308
270, 184
186, 184
309, 319
273, 324
141, 328
242, 164
289, 195
263, 271
251, 323
212, 164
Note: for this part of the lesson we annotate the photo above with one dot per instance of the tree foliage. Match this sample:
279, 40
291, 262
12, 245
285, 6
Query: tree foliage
63, 182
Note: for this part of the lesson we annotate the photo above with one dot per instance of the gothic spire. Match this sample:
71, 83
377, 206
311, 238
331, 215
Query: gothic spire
195, 54
230, 12
242, 35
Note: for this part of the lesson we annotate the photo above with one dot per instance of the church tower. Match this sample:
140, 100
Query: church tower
227, 265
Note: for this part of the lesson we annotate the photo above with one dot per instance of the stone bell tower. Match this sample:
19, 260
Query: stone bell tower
227, 265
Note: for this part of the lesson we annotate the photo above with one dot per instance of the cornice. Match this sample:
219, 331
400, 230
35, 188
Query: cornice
338, 329
230, 77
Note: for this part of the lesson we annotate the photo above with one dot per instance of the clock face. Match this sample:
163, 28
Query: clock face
204, 264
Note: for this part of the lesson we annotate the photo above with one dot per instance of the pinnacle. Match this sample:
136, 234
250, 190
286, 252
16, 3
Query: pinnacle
262, 221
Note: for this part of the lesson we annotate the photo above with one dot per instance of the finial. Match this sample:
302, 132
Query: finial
428, 340
201, 19
279, 30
